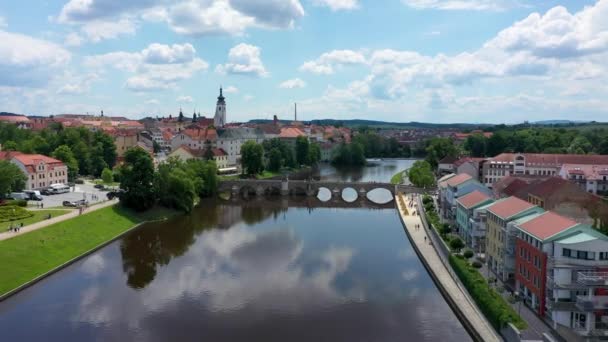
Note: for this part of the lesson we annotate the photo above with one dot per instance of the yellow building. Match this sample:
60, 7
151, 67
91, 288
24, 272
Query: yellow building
124, 141
501, 233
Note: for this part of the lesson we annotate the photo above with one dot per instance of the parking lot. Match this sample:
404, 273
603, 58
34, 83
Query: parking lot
79, 192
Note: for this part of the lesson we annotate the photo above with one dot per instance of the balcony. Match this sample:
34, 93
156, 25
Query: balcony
564, 304
600, 330
560, 261
586, 303
551, 284
590, 278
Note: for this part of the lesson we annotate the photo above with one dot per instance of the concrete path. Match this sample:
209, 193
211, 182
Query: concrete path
427, 252
38, 225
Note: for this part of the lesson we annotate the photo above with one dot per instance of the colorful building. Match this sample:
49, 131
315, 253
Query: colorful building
41, 171
472, 234
501, 233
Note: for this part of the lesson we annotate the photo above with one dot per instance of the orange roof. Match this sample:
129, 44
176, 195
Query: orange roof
218, 152
8, 155
509, 207
31, 160
472, 199
291, 132
547, 225
14, 118
552, 159
458, 179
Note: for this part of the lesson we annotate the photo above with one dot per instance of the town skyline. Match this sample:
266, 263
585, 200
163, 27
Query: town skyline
453, 61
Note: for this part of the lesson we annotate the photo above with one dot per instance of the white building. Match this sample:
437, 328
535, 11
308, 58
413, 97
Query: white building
220, 111
41, 171
591, 178
231, 139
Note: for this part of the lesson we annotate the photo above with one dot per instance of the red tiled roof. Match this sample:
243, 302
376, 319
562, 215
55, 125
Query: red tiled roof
509, 207
448, 160
218, 152
291, 132
591, 172
547, 187
472, 199
458, 179
466, 160
547, 225
31, 159
8, 155
552, 159
14, 118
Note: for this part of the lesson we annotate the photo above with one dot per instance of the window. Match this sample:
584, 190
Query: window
566, 252
603, 255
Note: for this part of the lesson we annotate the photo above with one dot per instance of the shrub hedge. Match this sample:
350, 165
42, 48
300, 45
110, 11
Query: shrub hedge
492, 304
12, 212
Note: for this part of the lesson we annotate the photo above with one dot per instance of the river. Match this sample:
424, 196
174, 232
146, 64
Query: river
259, 270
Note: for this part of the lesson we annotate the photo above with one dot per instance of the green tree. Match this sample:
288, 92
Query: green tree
357, 154
314, 153
421, 174
456, 244
138, 179
107, 176
11, 178
476, 145
580, 145
64, 153
108, 148
9, 145
252, 155
174, 188
497, 144
275, 160
438, 149
302, 150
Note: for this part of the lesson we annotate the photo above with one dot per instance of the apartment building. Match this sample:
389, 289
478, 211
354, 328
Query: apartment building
591, 178
507, 164
501, 233
453, 188
41, 171
468, 225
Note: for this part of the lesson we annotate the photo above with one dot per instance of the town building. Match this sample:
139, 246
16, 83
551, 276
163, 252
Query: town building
453, 188
508, 164
21, 121
468, 165
500, 235
219, 156
195, 138
446, 165
591, 178
231, 139
471, 232
41, 171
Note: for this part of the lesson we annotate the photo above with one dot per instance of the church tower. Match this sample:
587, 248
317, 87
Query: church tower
220, 111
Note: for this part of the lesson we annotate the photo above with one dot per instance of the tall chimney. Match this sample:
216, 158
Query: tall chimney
295, 111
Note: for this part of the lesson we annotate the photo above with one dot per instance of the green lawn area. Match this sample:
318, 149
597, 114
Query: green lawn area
27, 256
99, 181
39, 215
397, 177
267, 174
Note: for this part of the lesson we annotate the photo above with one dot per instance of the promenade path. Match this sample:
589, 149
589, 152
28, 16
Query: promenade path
431, 259
45, 223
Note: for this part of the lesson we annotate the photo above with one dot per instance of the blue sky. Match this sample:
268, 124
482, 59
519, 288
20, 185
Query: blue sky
397, 60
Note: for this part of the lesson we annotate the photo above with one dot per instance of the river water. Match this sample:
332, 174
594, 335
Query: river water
261, 270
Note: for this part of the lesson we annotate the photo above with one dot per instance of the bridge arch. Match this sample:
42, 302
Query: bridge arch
349, 194
324, 194
380, 196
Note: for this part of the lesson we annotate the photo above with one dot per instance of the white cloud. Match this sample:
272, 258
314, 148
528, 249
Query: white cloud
157, 67
470, 5
185, 99
328, 61
27, 61
98, 30
76, 85
73, 39
336, 5
271, 13
231, 90
165, 54
87, 10
198, 18
292, 84
244, 59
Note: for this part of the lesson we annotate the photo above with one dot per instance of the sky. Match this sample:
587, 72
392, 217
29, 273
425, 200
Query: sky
443, 61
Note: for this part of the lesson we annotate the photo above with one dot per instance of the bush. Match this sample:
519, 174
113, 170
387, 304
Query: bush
12, 213
492, 304
476, 264
79, 181
427, 199
17, 203
468, 253
456, 244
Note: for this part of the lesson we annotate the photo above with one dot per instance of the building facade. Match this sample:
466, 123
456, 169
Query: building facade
471, 232
219, 120
41, 171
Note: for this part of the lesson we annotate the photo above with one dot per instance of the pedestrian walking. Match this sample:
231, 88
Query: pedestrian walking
425, 238
41, 205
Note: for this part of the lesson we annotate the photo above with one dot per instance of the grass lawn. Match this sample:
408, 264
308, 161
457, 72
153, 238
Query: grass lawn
39, 215
267, 174
99, 181
27, 256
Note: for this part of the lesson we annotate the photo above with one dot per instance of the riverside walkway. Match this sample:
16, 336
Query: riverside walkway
466, 310
45, 223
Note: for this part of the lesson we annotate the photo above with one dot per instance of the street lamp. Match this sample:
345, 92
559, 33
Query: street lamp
519, 300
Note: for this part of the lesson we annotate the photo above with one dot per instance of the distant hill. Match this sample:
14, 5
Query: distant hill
382, 124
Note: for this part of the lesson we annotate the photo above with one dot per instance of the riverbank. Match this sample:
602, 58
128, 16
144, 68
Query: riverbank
30, 257
471, 318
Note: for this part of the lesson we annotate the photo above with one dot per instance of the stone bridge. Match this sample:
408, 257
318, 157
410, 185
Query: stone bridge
287, 187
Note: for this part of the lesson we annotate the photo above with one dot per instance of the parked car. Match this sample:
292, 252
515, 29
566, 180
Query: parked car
47, 191
19, 196
99, 186
34, 195
70, 204
115, 194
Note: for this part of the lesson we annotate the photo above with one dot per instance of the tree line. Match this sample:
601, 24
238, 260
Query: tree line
175, 184
538, 140
275, 154
83, 151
